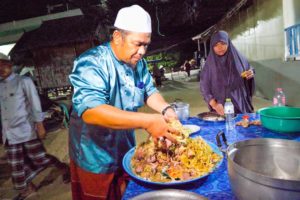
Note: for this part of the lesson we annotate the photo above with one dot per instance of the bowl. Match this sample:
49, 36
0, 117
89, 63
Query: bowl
281, 119
127, 167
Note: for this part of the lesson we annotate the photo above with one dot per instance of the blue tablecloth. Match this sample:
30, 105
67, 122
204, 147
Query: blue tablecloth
217, 185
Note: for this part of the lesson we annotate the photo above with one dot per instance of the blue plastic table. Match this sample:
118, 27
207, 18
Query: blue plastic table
217, 185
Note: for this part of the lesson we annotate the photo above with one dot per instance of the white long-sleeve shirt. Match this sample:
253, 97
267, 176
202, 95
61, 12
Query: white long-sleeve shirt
20, 109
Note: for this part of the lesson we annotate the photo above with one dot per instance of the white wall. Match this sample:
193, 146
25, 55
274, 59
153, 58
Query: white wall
291, 12
259, 34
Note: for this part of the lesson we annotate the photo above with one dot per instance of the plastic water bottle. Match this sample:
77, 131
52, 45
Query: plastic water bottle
229, 115
279, 98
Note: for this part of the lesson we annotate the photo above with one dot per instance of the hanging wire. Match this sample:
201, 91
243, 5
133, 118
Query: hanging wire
156, 13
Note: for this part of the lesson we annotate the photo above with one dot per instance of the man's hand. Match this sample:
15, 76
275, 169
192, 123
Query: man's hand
158, 127
170, 115
40, 130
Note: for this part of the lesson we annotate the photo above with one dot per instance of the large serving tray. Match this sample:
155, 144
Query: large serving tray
127, 167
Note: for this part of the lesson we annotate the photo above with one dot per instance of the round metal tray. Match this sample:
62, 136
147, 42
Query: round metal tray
168, 194
211, 117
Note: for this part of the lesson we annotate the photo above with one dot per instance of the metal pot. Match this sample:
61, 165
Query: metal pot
264, 168
182, 110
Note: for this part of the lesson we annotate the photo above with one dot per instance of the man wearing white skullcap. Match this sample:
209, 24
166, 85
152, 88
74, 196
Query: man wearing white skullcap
134, 19
4, 57
22, 129
111, 82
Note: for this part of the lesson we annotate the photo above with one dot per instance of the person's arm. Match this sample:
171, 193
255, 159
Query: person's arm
91, 100
205, 85
112, 117
217, 106
205, 88
157, 103
36, 109
40, 130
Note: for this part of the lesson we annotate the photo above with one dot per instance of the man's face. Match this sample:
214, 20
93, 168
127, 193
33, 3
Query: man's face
5, 68
132, 46
220, 48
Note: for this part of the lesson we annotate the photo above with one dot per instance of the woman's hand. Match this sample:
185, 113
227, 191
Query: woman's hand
247, 74
219, 109
217, 106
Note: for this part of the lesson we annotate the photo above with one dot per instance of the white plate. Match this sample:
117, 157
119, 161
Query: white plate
193, 128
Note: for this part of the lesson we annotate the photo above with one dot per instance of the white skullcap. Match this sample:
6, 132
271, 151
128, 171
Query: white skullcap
4, 57
133, 18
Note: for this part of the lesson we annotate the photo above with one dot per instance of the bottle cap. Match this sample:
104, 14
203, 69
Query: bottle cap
228, 99
245, 117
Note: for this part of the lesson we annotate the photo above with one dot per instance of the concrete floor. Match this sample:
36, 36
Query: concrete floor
49, 181
51, 185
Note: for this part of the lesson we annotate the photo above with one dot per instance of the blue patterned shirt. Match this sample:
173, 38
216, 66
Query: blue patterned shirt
100, 78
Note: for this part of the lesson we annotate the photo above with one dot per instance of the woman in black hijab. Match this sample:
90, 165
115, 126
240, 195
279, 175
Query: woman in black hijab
227, 74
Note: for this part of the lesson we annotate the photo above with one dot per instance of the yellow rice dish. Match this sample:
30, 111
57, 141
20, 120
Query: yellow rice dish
185, 160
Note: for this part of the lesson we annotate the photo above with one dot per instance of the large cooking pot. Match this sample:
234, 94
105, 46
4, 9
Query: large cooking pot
266, 169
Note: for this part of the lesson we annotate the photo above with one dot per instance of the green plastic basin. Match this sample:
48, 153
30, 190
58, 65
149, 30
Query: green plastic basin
281, 119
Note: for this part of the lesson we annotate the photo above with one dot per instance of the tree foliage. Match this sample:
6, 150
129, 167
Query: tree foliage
168, 60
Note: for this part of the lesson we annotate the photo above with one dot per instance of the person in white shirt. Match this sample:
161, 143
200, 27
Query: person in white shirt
22, 129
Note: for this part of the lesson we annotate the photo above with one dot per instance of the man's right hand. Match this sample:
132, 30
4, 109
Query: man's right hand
158, 127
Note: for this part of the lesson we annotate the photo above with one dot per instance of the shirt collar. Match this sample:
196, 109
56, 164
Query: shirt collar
108, 44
